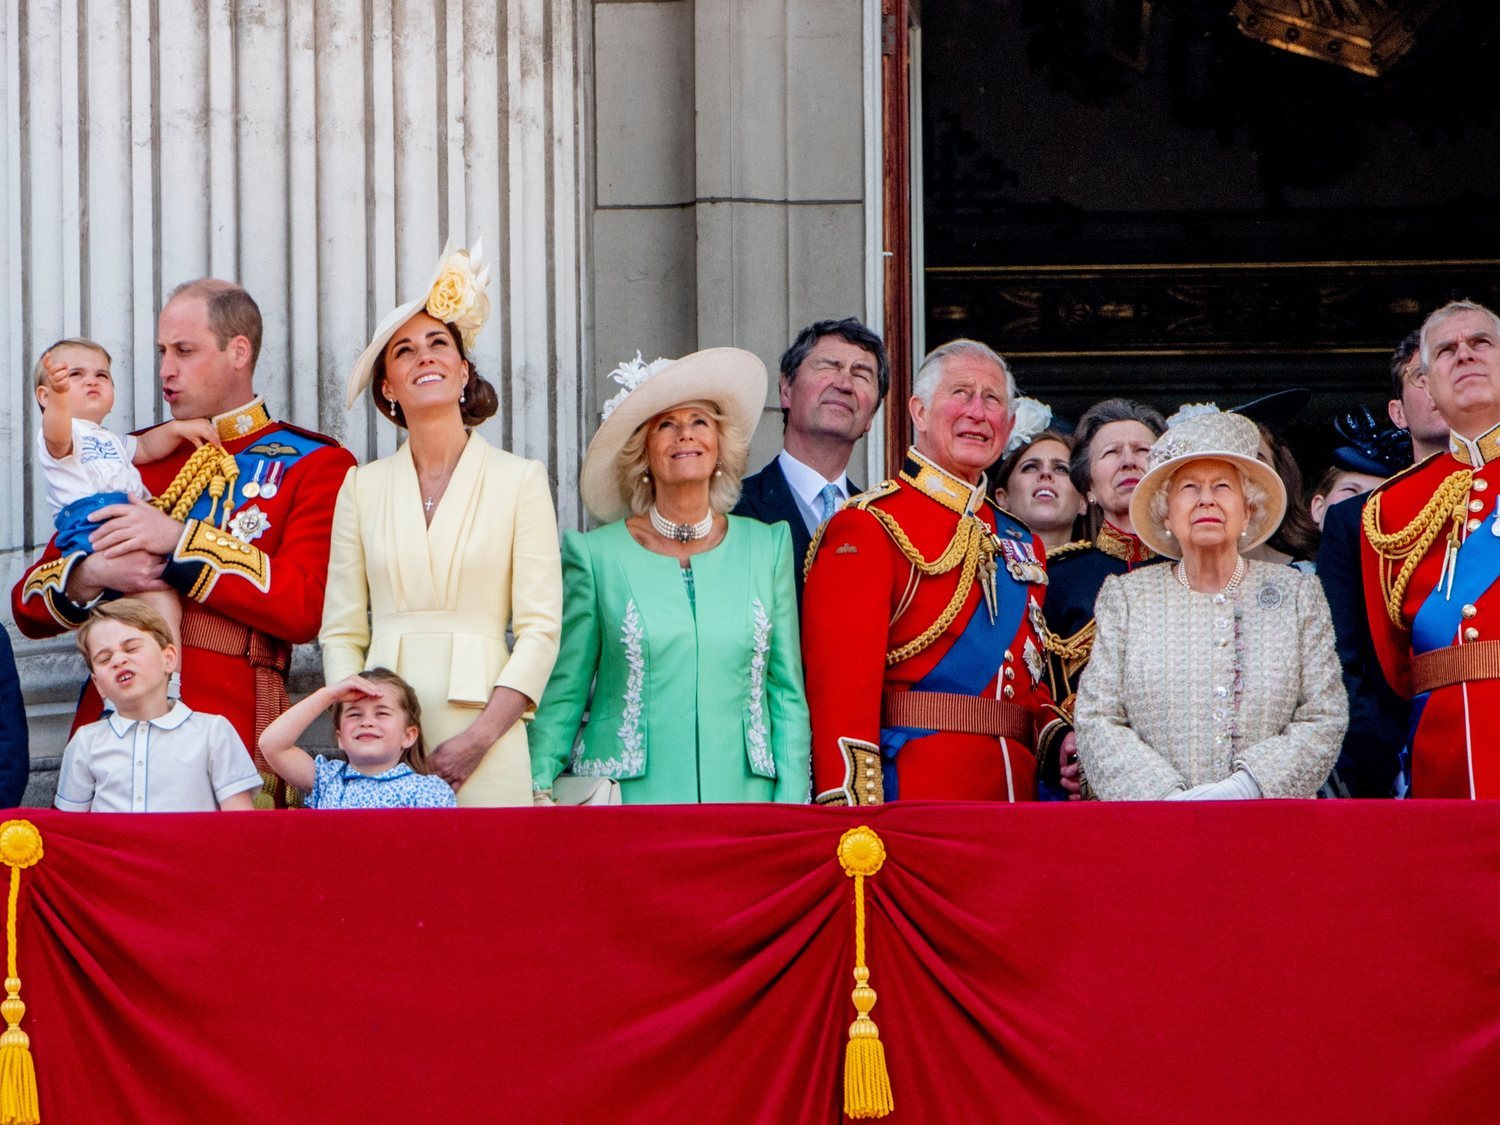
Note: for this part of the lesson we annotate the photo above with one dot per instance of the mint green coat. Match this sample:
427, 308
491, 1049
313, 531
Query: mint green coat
687, 706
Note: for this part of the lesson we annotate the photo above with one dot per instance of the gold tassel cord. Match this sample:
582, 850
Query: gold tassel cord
867, 1084
20, 848
210, 469
1411, 543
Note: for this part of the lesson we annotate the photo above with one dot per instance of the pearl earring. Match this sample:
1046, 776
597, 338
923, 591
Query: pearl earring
1167, 531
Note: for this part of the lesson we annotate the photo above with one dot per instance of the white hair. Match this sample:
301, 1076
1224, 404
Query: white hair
1447, 312
1257, 499
930, 374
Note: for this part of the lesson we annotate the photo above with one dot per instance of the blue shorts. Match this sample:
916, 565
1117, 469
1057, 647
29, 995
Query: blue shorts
74, 526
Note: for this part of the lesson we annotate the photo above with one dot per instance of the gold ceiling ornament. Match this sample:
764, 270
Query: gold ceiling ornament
1365, 36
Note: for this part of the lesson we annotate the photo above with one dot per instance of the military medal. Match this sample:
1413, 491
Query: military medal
251, 488
249, 524
1022, 563
1034, 664
273, 480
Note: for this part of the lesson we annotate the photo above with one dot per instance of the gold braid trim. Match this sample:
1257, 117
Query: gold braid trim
1410, 544
210, 468
971, 542
1077, 647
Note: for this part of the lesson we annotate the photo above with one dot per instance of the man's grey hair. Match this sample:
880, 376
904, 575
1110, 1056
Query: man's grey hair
930, 374
1452, 309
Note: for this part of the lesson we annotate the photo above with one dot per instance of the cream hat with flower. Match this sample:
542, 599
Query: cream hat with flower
732, 379
456, 295
1206, 436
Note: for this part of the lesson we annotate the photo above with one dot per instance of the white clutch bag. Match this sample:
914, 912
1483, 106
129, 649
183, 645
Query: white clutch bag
568, 790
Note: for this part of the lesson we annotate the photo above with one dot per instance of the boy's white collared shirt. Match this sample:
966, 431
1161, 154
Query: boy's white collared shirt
183, 761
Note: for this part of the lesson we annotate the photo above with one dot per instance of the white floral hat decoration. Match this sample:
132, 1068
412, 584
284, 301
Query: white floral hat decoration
1207, 436
732, 379
1030, 418
456, 295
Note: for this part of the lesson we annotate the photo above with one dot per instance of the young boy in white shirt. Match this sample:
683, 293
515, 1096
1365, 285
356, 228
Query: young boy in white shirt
87, 467
150, 754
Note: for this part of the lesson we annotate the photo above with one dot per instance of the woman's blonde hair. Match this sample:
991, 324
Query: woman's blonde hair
1257, 499
414, 755
633, 471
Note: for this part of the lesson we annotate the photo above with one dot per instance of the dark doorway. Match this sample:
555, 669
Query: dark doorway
1160, 199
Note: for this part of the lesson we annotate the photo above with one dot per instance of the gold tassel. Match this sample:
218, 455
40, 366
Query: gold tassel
867, 1085
210, 468
20, 847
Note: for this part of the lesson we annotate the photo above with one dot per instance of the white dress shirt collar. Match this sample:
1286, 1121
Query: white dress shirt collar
807, 483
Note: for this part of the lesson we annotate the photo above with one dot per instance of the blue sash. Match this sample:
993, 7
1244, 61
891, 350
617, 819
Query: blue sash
971, 662
1475, 569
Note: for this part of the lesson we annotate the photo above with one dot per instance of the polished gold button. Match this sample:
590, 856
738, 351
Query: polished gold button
1473, 525
1480, 485
1468, 611
1009, 691
1008, 655
1476, 505
1010, 673
1471, 634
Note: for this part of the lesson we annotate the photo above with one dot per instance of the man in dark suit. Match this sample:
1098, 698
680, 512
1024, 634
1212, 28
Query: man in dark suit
1370, 758
833, 379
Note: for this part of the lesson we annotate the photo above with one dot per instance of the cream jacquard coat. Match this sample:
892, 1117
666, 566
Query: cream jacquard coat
1184, 688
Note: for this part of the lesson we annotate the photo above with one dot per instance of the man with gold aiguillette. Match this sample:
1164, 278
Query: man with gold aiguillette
922, 623
240, 532
1430, 553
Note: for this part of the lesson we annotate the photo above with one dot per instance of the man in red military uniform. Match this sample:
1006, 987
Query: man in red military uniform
250, 567
921, 622
1430, 553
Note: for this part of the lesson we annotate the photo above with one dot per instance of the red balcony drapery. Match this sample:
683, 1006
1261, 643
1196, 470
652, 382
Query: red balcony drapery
1286, 961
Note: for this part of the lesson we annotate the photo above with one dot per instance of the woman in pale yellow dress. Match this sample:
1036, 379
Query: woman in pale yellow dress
442, 546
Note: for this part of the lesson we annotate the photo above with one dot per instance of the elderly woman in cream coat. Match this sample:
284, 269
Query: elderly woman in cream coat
1213, 677
442, 546
682, 618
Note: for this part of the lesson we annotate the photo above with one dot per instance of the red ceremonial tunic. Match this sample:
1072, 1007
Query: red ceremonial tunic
265, 572
1454, 743
866, 597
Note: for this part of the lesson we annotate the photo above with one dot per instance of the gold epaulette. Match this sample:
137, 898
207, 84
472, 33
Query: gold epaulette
1409, 546
877, 492
1075, 547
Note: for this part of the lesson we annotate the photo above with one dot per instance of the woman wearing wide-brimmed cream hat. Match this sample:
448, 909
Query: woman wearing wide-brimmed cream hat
441, 547
1213, 677
681, 617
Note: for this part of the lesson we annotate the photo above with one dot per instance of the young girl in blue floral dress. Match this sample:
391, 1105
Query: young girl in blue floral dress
377, 723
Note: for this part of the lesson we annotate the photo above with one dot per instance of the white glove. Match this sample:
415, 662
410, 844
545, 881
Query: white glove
1238, 786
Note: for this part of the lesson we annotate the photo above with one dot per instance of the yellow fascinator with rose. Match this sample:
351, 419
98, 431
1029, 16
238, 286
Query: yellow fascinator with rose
457, 295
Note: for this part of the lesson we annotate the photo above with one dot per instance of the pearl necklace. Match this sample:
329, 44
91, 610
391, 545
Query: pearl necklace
681, 532
1240, 568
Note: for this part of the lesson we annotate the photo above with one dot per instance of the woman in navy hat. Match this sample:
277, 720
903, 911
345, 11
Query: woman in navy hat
1369, 453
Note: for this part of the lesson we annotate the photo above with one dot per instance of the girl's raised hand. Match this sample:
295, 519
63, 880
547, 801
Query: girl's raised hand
351, 688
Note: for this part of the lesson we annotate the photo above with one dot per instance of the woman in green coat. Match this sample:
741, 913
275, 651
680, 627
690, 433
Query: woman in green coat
681, 618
